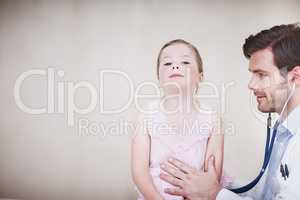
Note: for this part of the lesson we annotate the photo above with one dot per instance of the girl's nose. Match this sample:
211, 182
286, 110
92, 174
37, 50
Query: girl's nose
177, 67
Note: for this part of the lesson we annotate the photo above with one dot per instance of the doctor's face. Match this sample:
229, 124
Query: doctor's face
267, 84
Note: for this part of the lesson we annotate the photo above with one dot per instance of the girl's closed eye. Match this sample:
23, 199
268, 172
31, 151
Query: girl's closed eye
186, 62
167, 64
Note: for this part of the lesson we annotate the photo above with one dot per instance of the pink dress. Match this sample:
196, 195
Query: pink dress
187, 142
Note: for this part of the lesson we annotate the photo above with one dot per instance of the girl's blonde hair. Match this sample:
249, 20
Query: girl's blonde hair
181, 41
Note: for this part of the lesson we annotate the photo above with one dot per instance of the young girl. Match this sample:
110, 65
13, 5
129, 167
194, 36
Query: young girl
178, 128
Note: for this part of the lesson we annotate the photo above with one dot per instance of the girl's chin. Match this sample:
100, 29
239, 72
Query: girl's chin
176, 86
177, 93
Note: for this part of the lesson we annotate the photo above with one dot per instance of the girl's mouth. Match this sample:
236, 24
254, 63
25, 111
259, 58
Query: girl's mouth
175, 75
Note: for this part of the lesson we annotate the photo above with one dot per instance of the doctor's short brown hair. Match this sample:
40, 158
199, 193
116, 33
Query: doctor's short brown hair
283, 40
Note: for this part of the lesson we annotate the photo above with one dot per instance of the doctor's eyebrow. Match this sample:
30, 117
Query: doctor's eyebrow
257, 71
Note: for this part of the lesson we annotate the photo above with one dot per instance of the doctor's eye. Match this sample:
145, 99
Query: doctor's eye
261, 75
167, 64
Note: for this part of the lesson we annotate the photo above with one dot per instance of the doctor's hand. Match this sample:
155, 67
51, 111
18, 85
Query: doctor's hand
189, 182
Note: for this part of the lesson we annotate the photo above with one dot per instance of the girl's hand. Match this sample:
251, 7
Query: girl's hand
192, 184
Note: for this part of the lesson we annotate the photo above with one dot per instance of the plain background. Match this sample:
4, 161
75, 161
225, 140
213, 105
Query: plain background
44, 158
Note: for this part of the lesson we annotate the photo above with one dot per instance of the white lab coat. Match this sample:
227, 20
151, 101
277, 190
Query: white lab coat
289, 189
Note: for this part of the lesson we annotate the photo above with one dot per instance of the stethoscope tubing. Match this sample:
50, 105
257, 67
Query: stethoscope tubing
267, 156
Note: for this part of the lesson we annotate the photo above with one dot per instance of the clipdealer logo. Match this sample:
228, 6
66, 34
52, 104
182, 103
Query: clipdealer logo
61, 95
56, 94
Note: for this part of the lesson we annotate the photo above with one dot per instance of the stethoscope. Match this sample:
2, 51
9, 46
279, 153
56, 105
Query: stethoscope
268, 150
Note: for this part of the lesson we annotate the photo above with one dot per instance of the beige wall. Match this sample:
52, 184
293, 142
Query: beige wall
42, 157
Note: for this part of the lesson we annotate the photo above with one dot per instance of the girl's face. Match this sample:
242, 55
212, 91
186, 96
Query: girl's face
178, 69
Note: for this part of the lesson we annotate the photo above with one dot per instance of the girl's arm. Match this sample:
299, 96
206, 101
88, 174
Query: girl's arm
215, 148
140, 158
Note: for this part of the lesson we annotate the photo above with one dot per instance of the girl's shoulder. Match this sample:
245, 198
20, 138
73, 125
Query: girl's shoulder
210, 117
206, 111
149, 111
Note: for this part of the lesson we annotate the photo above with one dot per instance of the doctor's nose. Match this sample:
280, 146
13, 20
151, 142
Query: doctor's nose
252, 85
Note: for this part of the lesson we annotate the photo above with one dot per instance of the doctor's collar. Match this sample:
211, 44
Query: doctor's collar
292, 121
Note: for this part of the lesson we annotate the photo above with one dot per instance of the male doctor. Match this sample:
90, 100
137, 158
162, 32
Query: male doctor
274, 62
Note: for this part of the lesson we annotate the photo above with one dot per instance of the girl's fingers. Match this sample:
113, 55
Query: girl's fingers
172, 180
174, 191
173, 171
181, 166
